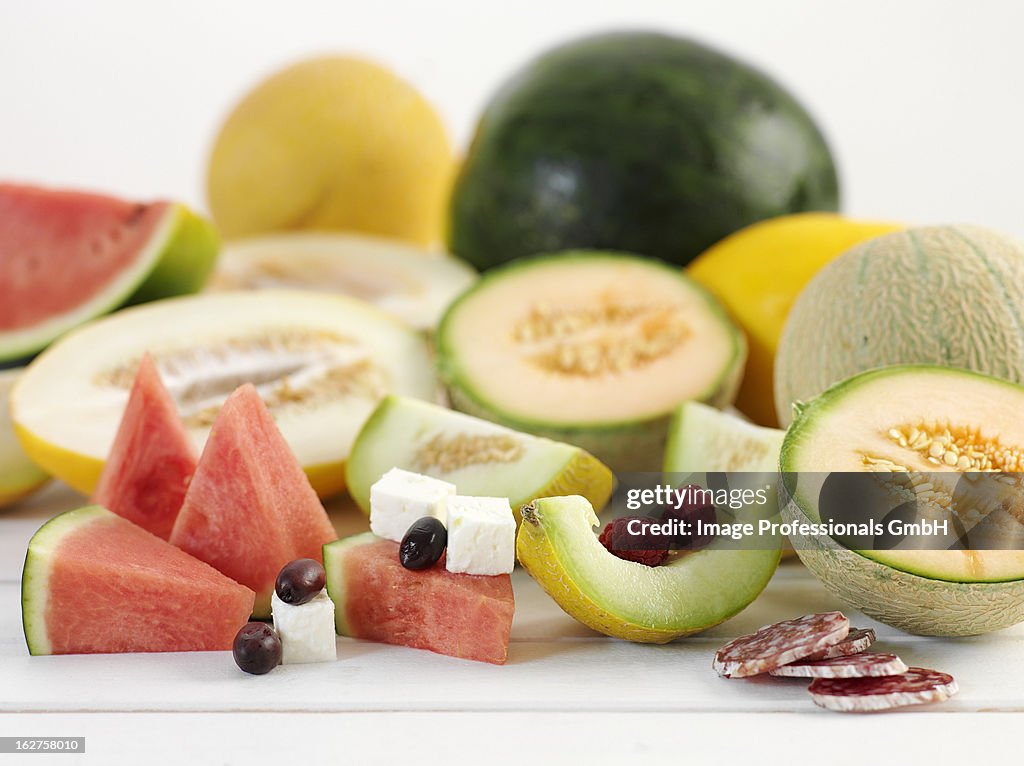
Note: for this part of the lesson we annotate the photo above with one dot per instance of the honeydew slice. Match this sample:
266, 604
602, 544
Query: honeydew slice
321, 363
412, 283
592, 348
479, 457
19, 476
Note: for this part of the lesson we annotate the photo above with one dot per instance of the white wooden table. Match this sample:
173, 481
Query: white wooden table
566, 693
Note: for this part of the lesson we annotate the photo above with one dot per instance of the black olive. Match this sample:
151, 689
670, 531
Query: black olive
423, 544
257, 648
300, 581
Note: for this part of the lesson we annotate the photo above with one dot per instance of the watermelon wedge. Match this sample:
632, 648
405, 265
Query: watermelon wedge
377, 599
68, 256
95, 583
152, 460
250, 509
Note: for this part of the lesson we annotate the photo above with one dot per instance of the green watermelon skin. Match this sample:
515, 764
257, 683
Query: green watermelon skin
637, 141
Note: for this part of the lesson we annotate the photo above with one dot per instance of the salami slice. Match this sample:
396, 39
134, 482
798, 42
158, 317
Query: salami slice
861, 695
857, 640
854, 666
780, 644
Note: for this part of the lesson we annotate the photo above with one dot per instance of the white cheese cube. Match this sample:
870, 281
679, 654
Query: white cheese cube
400, 498
481, 535
306, 630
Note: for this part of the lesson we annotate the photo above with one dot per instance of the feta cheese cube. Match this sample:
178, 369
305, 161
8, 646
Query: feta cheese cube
400, 498
481, 535
306, 630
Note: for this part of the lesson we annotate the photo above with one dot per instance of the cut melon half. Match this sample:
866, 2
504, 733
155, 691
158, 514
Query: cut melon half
886, 421
412, 283
320, 362
19, 476
66, 257
593, 348
477, 456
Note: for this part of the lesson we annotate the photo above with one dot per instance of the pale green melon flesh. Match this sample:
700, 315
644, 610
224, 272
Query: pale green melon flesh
592, 348
686, 595
849, 426
478, 456
19, 476
704, 439
944, 295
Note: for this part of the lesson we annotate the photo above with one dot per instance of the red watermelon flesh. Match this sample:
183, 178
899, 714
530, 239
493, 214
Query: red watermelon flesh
59, 250
152, 460
250, 509
377, 599
96, 583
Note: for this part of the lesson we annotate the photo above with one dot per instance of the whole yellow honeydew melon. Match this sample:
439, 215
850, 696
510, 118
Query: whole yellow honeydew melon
944, 295
332, 143
758, 272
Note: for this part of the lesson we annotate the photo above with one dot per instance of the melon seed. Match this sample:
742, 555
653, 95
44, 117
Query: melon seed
450, 453
612, 337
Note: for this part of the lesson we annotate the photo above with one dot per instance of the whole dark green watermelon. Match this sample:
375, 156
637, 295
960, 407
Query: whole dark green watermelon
634, 141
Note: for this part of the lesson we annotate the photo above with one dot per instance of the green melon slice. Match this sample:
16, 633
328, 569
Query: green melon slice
704, 439
19, 476
96, 583
479, 457
377, 599
321, 362
557, 545
592, 348
152, 460
412, 283
71, 256
885, 420
250, 509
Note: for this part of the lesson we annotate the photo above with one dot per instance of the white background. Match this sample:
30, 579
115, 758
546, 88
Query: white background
923, 101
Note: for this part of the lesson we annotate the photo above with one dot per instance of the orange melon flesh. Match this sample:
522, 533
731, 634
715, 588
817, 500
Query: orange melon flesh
250, 509
96, 583
152, 460
377, 599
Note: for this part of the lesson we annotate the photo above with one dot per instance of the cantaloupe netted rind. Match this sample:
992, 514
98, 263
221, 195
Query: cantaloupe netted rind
19, 476
887, 420
592, 348
947, 295
321, 362
624, 599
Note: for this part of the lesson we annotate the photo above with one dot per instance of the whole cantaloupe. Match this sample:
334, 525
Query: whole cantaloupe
946, 295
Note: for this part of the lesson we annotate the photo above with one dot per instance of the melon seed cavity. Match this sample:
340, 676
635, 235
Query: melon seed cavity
450, 453
610, 337
953, 447
290, 369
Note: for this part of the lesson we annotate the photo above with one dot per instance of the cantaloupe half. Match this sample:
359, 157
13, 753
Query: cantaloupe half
907, 421
591, 348
320, 362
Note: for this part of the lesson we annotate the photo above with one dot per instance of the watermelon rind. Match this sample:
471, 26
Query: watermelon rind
186, 261
36, 573
334, 556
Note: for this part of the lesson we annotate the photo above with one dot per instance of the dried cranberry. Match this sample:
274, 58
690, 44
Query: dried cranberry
645, 548
695, 510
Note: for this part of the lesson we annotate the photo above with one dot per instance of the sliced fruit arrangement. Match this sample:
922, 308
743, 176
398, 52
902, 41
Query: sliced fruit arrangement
96, 583
378, 599
334, 142
19, 476
847, 680
945, 295
629, 599
321, 362
758, 272
481, 457
634, 141
910, 419
592, 348
250, 509
410, 282
69, 256
704, 439
152, 460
